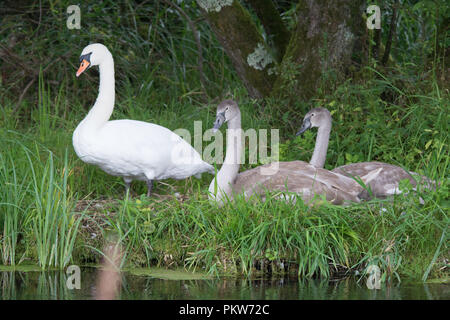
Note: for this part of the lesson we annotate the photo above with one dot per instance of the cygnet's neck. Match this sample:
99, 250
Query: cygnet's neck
320, 150
230, 168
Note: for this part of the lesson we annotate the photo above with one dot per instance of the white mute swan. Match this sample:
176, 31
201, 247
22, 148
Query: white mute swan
295, 176
384, 185
133, 150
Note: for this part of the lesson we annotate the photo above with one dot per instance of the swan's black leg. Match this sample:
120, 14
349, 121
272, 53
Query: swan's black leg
150, 187
127, 186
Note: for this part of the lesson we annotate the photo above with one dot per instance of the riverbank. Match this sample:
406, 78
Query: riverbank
179, 228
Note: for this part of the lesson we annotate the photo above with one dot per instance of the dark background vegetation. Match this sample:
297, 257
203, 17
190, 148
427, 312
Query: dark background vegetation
153, 46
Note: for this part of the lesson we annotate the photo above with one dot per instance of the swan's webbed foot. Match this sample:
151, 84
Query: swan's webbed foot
150, 187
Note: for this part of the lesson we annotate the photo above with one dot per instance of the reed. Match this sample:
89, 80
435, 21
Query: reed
54, 224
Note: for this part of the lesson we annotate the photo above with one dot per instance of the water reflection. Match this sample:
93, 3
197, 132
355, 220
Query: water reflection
52, 285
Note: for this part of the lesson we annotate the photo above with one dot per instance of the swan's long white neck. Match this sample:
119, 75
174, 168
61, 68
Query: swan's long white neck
104, 105
230, 168
320, 150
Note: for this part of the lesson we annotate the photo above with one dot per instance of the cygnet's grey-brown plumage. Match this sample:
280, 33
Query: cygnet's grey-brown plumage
384, 185
296, 176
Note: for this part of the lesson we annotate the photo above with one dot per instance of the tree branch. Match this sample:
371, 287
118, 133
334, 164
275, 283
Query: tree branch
391, 34
35, 77
376, 46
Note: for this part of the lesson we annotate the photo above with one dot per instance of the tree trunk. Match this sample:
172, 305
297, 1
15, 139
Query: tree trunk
243, 44
327, 35
325, 39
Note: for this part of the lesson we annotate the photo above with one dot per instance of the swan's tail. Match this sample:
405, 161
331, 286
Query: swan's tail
210, 169
206, 168
424, 181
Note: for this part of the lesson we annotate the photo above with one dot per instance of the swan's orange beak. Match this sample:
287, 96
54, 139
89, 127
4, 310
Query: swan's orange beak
83, 66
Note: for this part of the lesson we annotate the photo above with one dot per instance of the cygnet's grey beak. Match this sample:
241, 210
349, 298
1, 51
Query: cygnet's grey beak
305, 126
220, 119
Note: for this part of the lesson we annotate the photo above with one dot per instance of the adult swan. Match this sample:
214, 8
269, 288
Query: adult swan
133, 150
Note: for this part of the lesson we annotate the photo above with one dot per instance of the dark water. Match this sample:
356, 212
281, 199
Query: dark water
52, 285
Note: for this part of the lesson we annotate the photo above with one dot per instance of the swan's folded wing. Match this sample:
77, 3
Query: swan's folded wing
331, 179
150, 147
287, 178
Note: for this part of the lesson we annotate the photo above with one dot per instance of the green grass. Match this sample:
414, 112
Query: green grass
38, 206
